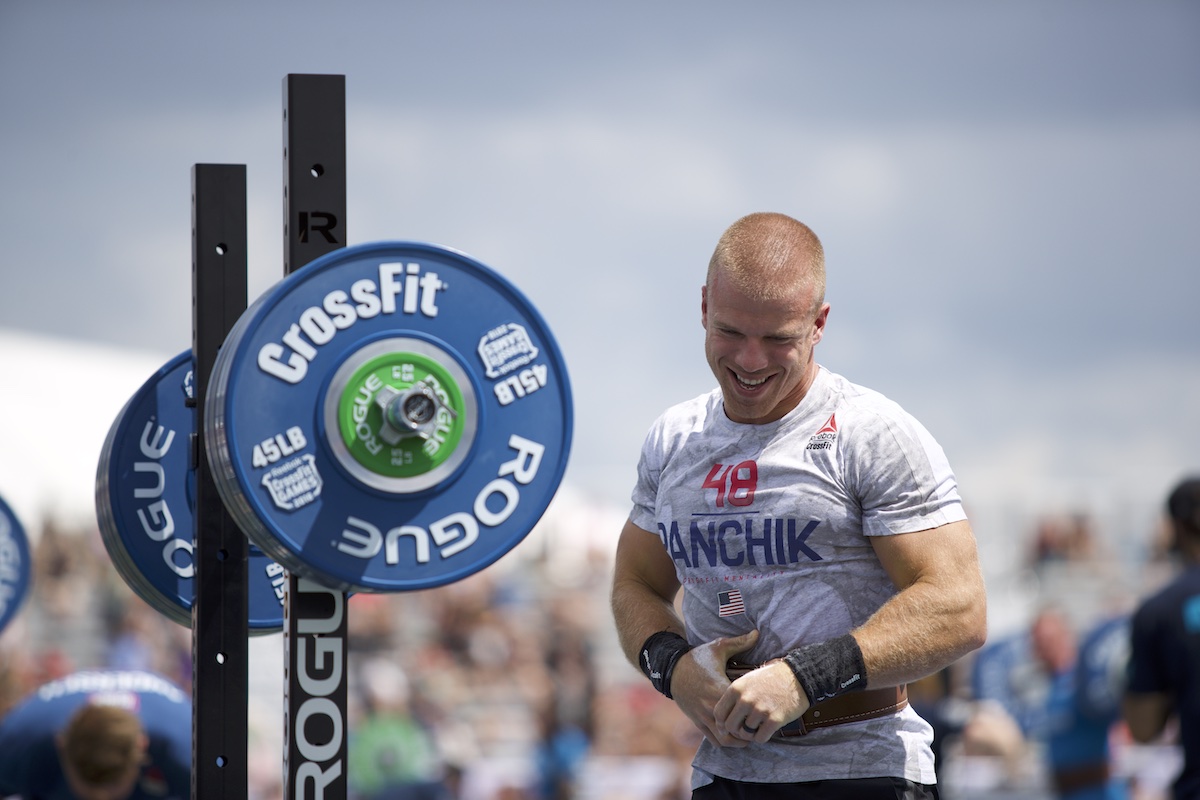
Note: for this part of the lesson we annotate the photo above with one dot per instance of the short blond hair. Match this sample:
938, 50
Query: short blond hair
102, 743
768, 255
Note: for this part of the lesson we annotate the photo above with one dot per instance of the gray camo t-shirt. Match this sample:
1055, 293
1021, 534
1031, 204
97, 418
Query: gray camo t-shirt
768, 527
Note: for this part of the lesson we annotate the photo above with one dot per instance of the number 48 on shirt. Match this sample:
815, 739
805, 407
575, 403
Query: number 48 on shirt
737, 483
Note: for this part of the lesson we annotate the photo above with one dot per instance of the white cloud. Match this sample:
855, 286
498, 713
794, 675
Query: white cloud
859, 177
59, 398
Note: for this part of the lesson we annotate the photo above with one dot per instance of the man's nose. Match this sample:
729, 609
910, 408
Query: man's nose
752, 355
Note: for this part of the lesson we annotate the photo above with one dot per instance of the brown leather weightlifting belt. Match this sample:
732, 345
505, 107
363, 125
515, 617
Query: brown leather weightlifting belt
852, 707
841, 710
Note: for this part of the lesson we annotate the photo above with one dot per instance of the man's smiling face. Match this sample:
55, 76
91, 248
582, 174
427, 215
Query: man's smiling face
761, 351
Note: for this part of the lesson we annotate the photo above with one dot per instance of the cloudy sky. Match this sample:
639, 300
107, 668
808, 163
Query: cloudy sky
1007, 194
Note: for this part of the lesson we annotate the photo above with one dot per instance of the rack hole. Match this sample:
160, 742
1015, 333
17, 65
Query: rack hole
221, 249
316, 170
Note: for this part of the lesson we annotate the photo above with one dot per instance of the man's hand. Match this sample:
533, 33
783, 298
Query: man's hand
759, 703
699, 681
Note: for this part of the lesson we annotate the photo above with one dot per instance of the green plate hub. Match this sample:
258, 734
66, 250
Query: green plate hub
401, 415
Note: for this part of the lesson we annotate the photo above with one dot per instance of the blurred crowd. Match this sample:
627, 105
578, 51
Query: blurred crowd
509, 685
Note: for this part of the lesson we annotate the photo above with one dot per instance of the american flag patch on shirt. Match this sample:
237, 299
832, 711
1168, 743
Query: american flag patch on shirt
730, 603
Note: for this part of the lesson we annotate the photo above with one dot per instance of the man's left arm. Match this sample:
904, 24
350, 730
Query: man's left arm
939, 612
938, 615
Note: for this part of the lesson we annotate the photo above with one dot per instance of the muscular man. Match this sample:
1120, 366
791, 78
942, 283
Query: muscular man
1164, 662
103, 735
817, 534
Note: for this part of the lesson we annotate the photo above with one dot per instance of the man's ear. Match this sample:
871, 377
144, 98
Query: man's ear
704, 307
819, 324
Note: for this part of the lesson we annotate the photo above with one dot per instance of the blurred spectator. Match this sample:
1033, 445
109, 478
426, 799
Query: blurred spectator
58, 561
1064, 538
561, 750
1077, 743
133, 643
371, 624
934, 699
18, 674
991, 733
565, 718
1164, 669
391, 754
99, 734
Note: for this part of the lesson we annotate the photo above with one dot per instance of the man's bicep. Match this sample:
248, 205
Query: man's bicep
939, 611
947, 552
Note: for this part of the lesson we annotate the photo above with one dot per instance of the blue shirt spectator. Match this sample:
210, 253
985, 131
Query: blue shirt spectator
92, 735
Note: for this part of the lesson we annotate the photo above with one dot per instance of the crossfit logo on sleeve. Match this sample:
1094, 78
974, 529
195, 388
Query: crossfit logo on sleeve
824, 438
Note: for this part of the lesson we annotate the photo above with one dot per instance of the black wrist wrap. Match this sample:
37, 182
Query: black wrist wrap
828, 669
660, 653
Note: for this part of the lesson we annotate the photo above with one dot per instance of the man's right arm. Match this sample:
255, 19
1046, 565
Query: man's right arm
643, 591
643, 604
